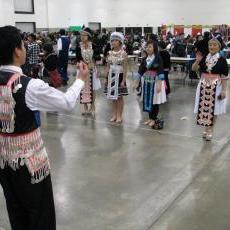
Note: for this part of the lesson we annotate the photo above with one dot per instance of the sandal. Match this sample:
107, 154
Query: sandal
152, 124
113, 119
118, 121
147, 122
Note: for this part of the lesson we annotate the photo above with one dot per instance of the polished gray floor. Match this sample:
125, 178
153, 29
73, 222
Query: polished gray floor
129, 177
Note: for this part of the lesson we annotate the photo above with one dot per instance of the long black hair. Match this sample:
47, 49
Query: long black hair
154, 43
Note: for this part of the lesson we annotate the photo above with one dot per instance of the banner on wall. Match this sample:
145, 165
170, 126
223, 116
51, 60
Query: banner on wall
74, 28
178, 29
196, 29
187, 31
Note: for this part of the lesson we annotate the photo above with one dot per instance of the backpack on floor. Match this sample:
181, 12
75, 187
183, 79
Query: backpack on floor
159, 124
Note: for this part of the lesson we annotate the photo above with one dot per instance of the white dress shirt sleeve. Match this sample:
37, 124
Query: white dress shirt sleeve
59, 44
40, 96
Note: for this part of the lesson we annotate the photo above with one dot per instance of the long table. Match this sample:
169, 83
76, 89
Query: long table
228, 61
182, 60
186, 60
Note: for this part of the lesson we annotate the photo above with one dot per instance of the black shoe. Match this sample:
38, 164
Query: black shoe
65, 83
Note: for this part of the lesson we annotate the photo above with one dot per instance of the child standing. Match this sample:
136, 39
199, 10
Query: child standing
115, 87
152, 73
89, 53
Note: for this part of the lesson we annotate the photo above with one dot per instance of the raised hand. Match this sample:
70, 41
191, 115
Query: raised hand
83, 73
199, 57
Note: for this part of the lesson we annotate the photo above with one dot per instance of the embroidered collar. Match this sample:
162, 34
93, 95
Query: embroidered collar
11, 68
211, 61
87, 53
7, 102
89, 46
151, 57
150, 60
117, 53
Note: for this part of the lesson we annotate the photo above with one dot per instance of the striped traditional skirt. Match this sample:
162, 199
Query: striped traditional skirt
92, 84
150, 95
113, 88
207, 104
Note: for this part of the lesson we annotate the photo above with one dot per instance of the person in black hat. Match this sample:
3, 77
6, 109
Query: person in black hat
89, 53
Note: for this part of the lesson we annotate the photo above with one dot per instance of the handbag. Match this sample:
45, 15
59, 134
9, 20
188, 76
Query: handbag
96, 80
55, 78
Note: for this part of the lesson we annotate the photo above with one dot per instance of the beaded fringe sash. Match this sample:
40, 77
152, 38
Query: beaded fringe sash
113, 81
7, 103
205, 116
86, 95
27, 149
148, 90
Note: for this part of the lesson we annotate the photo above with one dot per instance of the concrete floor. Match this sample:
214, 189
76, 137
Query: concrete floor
129, 177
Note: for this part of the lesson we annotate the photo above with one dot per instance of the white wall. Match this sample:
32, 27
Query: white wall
8, 17
116, 13
6, 12
113, 13
63, 13
40, 16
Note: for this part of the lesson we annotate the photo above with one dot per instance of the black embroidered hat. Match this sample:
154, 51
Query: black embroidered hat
218, 38
87, 31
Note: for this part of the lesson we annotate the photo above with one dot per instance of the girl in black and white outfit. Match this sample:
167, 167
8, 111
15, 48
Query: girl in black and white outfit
89, 53
212, 88
115, 87
151, 72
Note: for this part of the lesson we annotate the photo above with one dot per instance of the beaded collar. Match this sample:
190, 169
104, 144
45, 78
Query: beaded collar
116, 57
87, 53
211, 61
